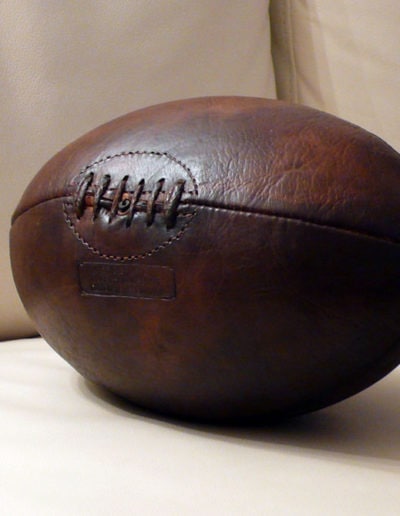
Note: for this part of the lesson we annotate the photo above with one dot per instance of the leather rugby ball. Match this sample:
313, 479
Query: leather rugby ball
217, 258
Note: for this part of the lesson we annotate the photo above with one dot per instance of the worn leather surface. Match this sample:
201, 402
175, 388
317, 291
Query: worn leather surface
252, 154
268, 285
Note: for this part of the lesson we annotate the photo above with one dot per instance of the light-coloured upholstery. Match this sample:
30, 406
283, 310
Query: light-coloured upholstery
69, 448
66, 67
342, 57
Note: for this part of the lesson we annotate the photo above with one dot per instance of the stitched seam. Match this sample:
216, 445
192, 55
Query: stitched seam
255, 213
243, 211
294, 219
139, 256
16, 217
143, 153
68, 203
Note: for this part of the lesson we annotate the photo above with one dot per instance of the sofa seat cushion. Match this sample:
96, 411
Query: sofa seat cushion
68, 447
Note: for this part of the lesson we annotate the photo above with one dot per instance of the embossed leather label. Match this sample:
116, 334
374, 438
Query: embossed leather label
127, 280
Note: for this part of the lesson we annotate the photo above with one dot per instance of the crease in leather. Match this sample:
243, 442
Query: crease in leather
202, 203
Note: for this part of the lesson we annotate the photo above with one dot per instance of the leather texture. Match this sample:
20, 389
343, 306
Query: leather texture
341, 57
217, 258
66, 67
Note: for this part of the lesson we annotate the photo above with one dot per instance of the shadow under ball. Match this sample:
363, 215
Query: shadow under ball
217, 258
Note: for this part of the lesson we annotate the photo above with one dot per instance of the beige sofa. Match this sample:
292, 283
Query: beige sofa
67, 447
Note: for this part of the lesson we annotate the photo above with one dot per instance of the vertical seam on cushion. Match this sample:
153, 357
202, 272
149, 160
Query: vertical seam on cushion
291, 52
283, 51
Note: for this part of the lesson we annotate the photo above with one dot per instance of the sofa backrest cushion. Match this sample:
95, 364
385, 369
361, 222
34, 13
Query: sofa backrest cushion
66, 67
342, 57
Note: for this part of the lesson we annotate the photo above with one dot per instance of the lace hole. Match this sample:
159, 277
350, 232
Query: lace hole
123, 206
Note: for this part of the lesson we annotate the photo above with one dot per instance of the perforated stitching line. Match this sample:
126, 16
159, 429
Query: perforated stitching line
143, 153
166, 243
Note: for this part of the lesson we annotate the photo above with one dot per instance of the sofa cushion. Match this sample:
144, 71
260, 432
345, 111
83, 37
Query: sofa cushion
67, 67
69, 448
342, 57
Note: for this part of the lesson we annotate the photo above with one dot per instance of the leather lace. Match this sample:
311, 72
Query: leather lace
123, 202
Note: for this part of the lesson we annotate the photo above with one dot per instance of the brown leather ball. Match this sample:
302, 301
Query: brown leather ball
217, 258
